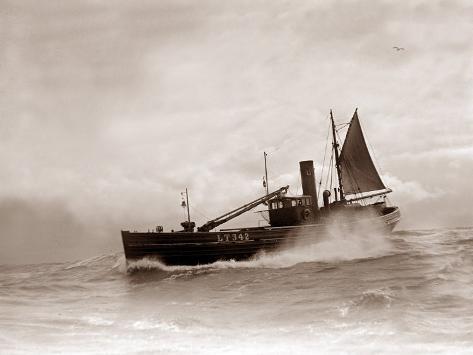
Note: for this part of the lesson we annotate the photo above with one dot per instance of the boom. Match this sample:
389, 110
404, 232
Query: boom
214, 223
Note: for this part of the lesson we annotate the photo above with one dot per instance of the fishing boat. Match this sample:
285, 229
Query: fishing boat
291, 219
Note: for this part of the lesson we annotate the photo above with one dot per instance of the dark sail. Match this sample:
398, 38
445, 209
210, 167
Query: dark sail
358, 171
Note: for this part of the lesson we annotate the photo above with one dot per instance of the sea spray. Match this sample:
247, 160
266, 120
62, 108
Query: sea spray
337, 245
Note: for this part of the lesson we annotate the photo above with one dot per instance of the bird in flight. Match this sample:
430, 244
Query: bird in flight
398, 48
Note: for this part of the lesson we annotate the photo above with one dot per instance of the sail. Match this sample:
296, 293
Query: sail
358, 171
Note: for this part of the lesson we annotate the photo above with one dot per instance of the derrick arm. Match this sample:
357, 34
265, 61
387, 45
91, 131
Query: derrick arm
214, 223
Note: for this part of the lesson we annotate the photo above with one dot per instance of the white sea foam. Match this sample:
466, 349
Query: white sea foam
148, 324
87, 262
97, 320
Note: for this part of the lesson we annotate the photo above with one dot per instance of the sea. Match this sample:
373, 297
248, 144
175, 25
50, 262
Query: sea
409, 292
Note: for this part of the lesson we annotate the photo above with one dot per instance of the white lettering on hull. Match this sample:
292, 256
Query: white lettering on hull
233, 237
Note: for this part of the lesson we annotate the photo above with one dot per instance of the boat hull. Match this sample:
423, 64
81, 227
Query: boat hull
193, 248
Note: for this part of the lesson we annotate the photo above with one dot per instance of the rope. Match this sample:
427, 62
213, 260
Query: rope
341, 126
374, 156
323, 164
349, 170
331, 172
196, 210
352, 179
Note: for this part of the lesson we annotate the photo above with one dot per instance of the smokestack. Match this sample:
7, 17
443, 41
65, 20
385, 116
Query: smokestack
308, 180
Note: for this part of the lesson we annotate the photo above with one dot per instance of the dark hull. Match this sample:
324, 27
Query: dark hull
193, 248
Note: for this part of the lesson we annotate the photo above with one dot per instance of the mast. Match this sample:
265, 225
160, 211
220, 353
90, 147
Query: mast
337, 158
188, 214
266, 173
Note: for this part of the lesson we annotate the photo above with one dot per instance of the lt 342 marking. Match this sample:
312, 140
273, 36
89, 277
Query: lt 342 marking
233, 237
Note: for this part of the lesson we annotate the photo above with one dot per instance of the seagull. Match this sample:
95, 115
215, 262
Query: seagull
398, 48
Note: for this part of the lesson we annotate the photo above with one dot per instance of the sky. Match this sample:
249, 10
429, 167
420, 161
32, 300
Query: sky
110, 109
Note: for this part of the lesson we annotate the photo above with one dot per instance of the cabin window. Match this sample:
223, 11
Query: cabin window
307, 201
274, 205
280, 204
299, 202
293, 203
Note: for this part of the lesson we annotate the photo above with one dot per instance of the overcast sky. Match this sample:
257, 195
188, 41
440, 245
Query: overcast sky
109, 109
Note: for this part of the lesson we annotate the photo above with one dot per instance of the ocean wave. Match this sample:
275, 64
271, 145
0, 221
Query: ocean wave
154, 324
96, 320
445, 234
339, 247
367, 293
369, 300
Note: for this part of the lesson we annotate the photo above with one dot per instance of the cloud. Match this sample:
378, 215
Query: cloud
410, 191
461, 153
114, 108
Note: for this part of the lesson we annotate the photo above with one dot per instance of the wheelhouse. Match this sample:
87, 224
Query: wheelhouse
291, 210
289, 202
